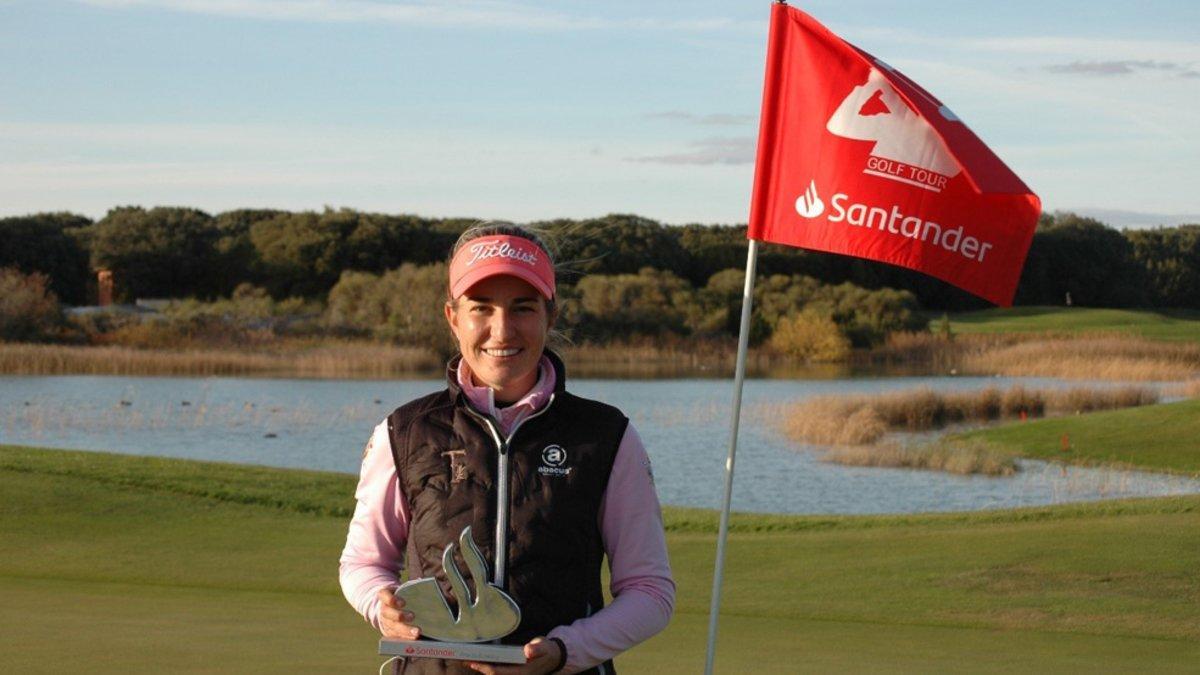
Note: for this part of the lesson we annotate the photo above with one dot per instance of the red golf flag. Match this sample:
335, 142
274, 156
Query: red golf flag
855, 158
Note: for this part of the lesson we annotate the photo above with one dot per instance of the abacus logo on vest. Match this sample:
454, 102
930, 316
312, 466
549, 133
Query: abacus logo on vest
553, 458
890, 222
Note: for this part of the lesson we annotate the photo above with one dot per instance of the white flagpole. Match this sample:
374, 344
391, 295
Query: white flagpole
738, 378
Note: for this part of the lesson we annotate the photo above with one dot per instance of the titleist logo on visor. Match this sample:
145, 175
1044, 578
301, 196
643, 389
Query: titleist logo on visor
491, 249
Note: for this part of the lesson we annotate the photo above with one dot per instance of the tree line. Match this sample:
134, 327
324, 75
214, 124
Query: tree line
182, 252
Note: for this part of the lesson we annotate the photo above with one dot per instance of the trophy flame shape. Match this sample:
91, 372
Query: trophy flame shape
487, 615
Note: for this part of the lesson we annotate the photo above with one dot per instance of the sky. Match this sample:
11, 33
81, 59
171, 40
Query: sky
536, 110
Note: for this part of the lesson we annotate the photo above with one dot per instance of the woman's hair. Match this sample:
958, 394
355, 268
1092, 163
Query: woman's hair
499, 227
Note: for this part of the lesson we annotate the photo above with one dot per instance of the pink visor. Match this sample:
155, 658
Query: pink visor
486, 257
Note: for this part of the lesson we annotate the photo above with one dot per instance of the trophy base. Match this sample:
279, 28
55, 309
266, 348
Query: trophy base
458, 651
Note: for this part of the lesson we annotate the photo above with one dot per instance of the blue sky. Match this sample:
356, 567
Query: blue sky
533, 110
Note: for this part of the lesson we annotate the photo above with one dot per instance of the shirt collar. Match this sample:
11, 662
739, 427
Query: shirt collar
483, 398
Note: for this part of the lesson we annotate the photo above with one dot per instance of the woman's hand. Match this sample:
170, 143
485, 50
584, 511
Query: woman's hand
393, 620
541, 656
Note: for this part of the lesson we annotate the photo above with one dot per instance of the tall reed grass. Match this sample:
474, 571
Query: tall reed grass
939, 353
1191, 388
863, 420
1113, 357
332, 358
958, 457
337, 359
670, 358
1103, 356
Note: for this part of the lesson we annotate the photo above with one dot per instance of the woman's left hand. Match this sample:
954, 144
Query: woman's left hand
541, 656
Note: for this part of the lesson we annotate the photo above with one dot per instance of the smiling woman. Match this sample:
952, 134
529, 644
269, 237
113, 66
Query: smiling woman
501, 306
562, 482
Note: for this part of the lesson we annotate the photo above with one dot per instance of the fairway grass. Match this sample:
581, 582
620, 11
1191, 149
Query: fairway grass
1163, 325
126, 564
1159, 437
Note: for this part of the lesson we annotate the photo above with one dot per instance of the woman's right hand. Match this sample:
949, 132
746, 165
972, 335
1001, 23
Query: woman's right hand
393, 620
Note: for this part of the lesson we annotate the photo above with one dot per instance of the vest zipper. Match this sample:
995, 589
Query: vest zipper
499, 574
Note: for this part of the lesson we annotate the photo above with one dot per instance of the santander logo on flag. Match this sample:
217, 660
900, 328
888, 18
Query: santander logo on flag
809, 204
857, 159
893, 222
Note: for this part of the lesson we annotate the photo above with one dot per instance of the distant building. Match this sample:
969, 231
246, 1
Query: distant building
104, 287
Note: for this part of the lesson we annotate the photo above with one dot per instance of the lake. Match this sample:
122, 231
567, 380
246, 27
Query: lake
324, 424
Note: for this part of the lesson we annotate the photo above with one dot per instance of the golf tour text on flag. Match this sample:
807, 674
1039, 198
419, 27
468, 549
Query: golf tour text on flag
855, 158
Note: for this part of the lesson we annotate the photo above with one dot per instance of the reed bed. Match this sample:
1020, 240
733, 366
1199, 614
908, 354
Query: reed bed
675, 357
1189, 389
323, 360
937, 352
968, 457
1104, 356
1113, 357
864, 420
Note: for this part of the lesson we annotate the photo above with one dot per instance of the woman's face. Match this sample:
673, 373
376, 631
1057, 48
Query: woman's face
501, 326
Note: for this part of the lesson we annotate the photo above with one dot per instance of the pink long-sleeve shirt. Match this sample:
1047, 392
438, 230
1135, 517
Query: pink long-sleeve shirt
630, 522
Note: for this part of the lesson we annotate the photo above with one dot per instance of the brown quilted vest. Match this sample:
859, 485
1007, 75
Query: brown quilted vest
559, 464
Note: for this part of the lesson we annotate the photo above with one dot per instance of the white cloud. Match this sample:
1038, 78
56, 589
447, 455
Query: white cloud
1122, 67
1055, 105
711, 119
1083, 48
466, 13
738, 150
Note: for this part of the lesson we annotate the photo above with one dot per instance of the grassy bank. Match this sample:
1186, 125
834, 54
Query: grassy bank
1160, 438
155, 565
1180, 325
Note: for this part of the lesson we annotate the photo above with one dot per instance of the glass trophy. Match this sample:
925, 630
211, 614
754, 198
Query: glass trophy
482, 617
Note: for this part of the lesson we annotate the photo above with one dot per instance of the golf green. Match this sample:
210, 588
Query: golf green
108, 567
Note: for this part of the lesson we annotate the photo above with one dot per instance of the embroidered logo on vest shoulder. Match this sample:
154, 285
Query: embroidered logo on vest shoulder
554, 457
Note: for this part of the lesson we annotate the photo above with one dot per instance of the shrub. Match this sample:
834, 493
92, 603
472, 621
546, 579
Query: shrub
651, 302
1018, 400
1083, 399
810, 336
864, 316
50, 243
99, 327
403, 306
832, 420
250, 315
868, 316
942, 328
158, 253
29, 311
